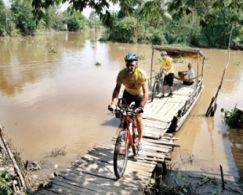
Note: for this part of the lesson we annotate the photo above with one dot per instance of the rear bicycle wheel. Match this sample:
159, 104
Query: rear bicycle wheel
155, 90
120, 154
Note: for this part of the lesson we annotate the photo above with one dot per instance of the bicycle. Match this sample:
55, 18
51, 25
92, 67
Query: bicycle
157, 86
127, 137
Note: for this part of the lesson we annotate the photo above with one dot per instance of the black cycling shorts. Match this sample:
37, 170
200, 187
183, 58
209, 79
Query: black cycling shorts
168, 80
132, 98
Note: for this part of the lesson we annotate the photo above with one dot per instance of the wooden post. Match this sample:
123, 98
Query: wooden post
16, 168
151, 68
197, 67
222, 176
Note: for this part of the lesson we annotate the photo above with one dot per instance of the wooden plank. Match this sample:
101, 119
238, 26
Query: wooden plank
151, 159
153, 128
150, 135
161, 142
128, 181
86, 184
80, 176
155, 154
61, 186
163, 147
44, 192
151, 125
141, 165
151, 148
155, 143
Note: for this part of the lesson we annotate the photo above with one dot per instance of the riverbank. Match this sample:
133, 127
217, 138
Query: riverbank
180, 180
16, 176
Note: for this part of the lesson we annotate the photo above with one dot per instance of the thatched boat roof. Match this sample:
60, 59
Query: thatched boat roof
177, 52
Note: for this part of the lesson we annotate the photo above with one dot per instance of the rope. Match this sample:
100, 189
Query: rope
213, 104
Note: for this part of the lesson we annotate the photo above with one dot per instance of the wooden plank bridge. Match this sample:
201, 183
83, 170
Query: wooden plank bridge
93, 173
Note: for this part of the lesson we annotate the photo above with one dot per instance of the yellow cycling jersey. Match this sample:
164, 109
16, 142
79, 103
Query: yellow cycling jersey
132, 82
167, 65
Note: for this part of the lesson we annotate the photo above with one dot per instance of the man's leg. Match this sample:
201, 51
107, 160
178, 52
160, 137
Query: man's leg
165, 82
171, 89
163, 89
171, 83
139, 126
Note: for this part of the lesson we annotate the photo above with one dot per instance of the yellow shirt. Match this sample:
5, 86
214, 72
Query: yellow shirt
167, 64
133, 83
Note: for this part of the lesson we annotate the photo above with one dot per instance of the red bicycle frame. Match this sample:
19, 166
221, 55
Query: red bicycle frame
129, 124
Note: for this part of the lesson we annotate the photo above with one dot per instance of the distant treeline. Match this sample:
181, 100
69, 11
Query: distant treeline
19, 19
207, 23
192, 23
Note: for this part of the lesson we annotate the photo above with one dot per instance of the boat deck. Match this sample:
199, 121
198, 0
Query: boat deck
162, 111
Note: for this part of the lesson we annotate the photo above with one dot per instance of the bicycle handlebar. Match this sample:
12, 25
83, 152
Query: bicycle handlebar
125, 109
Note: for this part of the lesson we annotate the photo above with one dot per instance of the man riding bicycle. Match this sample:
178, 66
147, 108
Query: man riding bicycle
136, 89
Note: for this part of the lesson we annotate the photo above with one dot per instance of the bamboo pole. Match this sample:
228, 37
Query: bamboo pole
10, 154
213, 104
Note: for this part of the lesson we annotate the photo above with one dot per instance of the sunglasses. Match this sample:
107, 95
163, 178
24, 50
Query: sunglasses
130, 64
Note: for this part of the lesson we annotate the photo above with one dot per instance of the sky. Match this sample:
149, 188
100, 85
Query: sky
6, 2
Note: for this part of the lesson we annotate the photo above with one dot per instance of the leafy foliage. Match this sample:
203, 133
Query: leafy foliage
125, 30
23, 17
234, 117
6, 24
158, 38
2, 18
5, 184
52, 18
205, 23
75, 21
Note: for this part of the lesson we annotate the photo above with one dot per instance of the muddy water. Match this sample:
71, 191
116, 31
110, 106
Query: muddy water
54, 91
207, 143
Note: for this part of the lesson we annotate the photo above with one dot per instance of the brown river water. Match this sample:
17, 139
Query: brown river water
54, 92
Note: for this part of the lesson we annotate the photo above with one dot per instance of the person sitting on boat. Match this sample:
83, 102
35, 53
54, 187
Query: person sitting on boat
168, 69
187, 76
136, 89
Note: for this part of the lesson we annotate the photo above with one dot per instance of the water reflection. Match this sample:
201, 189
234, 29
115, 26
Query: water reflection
59, 99
203, 137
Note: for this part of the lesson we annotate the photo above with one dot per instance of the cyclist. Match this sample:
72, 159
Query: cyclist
136, 89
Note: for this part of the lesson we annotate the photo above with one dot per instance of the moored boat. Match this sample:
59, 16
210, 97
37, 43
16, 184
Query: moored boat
171, 111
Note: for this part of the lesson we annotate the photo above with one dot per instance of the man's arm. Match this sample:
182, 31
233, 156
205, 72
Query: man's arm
115, 94
145, 94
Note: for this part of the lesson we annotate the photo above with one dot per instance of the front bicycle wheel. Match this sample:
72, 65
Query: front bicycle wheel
135, 143
120, 154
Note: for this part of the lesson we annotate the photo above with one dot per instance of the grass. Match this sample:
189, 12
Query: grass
58, 152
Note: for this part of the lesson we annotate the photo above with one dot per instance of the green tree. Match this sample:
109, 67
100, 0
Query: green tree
52, 18
216, 31
2, 18
75, 20
216, 19
94, 20
124, 30
7, 26
194, 22
152, 12
23, 17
